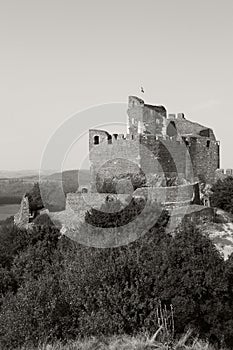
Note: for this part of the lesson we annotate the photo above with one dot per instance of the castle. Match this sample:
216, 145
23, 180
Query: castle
158, 144
166, 155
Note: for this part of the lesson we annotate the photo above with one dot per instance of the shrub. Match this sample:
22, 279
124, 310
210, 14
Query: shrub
43, 220
222, 194
88, 291
34, 198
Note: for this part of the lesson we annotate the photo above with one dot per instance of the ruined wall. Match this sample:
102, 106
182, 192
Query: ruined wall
21, 219
135, 114
144, 118
78, 202
170, 197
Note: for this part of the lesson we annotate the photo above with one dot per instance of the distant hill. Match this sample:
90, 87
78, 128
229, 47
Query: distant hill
14, 187
7, 174
82, 176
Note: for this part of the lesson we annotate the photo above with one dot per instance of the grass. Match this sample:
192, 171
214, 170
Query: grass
141, 342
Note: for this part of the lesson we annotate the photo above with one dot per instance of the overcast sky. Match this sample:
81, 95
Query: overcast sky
59, 57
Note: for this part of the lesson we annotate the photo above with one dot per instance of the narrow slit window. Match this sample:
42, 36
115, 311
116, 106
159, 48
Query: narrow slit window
208, 144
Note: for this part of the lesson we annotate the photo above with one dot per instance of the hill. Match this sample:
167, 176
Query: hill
83, 176
13, 185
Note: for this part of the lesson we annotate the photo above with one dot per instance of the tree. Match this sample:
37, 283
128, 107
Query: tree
41, 254
195, 284
222, 194
12, 241
43, 220
34, 198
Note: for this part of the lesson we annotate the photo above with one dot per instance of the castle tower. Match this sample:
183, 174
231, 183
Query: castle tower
146, 119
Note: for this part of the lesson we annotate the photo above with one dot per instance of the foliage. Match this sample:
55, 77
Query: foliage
24, 254
222, 194
12, 242
54, 289
43, 220
8, 221
34, 198
113, 214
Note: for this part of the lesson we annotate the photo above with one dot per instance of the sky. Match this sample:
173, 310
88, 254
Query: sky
62, 57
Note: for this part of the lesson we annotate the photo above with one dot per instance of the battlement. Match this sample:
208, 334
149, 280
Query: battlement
173, 116
97, 137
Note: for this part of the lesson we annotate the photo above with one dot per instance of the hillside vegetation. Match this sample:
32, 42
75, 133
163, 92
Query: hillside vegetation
53, 289
58, 294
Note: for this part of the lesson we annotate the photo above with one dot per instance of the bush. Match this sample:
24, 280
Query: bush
43, 220
222, 194
34, 314
12, 241
34, 198
65, 289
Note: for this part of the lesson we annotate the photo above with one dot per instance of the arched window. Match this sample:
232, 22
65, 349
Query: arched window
96, 140
109, 139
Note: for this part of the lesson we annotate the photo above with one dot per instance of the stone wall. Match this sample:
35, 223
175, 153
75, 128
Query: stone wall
170, 197
174, 196
78, 202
